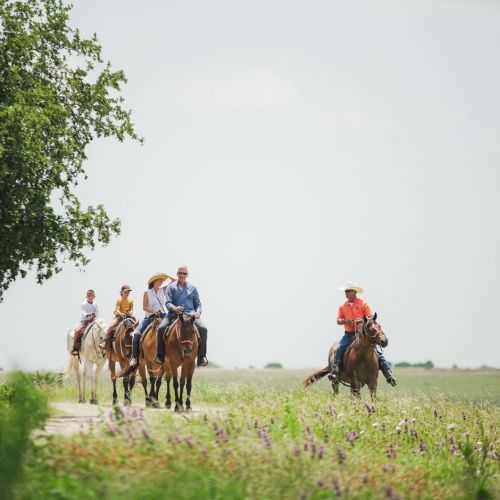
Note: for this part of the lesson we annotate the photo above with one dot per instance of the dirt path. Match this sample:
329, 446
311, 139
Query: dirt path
72, 418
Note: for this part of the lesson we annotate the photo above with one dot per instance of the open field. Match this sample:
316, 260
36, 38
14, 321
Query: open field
256, 434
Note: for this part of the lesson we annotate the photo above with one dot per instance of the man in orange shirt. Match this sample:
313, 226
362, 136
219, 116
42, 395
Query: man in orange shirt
352, 309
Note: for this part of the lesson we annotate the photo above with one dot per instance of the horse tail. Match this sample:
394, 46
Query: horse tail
71, 367
315, 377
127, 371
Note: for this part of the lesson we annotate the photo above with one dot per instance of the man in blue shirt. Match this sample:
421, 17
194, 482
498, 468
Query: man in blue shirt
182, 297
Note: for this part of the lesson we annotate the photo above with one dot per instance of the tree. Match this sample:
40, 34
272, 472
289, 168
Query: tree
273, 364
56, 96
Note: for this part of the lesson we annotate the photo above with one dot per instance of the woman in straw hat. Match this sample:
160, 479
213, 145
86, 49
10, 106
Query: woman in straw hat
153, 303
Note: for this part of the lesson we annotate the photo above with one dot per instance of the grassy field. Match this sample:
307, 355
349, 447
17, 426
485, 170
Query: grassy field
433, 436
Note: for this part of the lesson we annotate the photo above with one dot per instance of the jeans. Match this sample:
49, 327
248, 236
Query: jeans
347, 340
146, 321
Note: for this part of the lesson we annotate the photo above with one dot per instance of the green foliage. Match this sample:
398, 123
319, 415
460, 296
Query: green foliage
56, 96
22, 409
254, 434
274, 364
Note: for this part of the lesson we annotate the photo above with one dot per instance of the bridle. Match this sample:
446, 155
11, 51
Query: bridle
184, 342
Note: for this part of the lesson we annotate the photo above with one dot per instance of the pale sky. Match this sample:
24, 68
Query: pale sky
291, 146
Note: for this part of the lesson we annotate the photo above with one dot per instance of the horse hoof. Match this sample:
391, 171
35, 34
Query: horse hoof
115, 402
81, 400
148, 404
93, 401
188, 408
127, 402
156, 404
168, 406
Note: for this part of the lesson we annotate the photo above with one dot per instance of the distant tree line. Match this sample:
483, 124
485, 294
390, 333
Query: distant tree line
405, 364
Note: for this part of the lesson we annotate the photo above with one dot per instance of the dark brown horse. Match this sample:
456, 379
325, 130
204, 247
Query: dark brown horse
181, 349
360, 363
119, 352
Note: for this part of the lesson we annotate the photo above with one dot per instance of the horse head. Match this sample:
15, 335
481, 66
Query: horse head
187, 334
373, 331
102, 327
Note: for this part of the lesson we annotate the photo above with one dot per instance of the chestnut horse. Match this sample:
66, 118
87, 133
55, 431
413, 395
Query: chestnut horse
360, 364
182, 349
120, 353
147, 353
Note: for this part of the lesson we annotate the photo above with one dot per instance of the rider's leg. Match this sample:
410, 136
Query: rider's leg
345, 342
385, 367
77, 340
202, 347
106, 343
137, 338
160, 341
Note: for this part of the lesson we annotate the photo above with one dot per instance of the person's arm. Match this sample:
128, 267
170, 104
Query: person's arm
131, 310
341, 320
169, 301
96, 311
196, 303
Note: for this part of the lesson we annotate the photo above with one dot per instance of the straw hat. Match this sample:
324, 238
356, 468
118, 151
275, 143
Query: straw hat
158, 276
351, 286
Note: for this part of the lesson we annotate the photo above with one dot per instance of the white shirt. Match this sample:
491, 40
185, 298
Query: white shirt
156, 300
88, 308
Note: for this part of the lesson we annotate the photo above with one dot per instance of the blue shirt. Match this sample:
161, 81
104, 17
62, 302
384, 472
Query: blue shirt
186, 296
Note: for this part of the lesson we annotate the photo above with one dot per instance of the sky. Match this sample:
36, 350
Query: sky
291, 146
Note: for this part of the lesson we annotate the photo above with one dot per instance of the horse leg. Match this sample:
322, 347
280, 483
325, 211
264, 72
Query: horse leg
84, 385
144, 382
188, 390
95, 380
373, 391
78, 382
355, 388
176, 391
157, 392
168, 399
111, 365
152, 390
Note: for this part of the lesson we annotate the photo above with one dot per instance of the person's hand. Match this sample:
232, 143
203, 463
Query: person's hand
348, 322
178, 309
121, 315
197, 314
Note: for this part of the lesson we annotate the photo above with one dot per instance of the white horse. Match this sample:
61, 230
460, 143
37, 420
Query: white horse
91, 354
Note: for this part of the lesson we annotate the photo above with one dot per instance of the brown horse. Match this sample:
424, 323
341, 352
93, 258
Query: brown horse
360, 363
119, 352
181, 349
147, 352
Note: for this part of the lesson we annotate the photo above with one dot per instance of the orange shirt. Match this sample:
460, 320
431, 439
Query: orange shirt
357, 310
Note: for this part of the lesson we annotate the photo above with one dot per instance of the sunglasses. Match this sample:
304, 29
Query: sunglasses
184, 274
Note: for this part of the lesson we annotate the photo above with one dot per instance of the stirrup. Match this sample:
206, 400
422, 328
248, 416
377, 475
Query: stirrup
75, 352
202, 361
333, 376
158, 360
133, 361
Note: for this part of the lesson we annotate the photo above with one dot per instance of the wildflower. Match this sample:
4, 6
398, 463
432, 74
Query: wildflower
189, 441
413, 432
321, 452
320, 483
340, 415
451, 427
146, 434
479, 446
351, 436
341, 456
390, 494
453, 449
307, 431
375, 424
331, 410
370, 408
296, 451
391, 452
336, 487
306, 446
422, 447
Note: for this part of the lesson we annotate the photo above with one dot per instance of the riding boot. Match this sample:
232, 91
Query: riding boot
389, 376
160, 347
334, 373
135, 348
77, 342
202, 348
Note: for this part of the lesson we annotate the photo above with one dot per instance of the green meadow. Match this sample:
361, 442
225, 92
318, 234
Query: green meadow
257, 434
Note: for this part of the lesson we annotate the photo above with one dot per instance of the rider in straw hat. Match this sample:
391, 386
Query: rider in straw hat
351, 310
153, 303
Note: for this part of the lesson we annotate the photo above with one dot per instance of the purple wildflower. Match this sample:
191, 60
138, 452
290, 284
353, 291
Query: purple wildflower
422, 447
453, 449
145, 434
321, 452
341, 456
364, 478
389, 493
189, 441
296, 451
320, 483
391, 452
351, 436
336, 487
